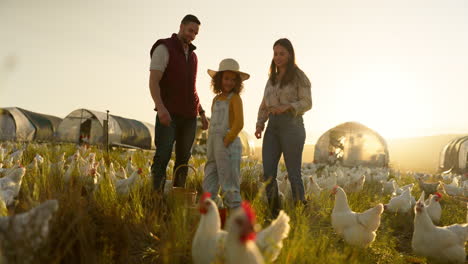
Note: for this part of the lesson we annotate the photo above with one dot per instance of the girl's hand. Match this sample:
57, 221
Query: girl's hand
205, 122
226, 143
280, 109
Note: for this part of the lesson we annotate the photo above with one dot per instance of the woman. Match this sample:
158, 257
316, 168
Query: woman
286, 98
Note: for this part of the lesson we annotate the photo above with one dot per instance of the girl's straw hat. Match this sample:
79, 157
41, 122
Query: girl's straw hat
229, 65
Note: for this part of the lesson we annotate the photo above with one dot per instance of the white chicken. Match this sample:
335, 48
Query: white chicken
2, 153
208, 242
400, 190
441, 244
389, 187
433, 207
400, 203
34, 165
270, 240
71, 171
355, 184
121, 173
452, 189
124, 186
311, 187
31, 227
240, 246
57, 168
357, 229
428, 187
168, 186
10, 185
130, 168
284, 187
17, 155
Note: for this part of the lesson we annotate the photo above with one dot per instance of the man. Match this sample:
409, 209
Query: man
172, 80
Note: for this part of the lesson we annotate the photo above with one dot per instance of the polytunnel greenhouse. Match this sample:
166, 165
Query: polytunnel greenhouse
352, 144
17, 124
454, 156
84, 125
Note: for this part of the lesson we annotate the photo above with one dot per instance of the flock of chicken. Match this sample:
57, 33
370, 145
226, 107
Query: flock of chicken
445, 244
240, 241
30, 229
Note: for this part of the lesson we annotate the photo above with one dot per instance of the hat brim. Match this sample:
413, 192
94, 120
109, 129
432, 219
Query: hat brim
244, 76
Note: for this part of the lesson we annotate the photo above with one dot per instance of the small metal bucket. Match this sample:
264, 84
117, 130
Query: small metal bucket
187, 196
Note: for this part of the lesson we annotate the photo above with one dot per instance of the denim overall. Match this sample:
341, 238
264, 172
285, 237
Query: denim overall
222, 168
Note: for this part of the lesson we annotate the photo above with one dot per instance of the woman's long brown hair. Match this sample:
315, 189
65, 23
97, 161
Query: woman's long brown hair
291, 67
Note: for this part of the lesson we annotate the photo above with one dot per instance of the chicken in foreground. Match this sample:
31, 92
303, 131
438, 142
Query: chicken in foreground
26, 232
240, 244
208, 242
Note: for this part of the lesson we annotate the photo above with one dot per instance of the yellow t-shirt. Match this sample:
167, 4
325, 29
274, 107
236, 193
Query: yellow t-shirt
236, 115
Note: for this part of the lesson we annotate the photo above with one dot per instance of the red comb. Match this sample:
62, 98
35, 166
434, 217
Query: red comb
249, 236
438, 194
205, 196
249, 211
140, 170
203, 209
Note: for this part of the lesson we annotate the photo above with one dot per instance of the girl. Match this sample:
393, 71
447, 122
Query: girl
286, 98
222, 168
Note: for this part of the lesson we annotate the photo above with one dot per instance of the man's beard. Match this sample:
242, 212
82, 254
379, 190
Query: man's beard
185, 40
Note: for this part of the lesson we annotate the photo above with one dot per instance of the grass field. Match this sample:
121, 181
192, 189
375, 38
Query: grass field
99, 226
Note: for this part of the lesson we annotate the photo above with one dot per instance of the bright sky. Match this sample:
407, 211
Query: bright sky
398, 67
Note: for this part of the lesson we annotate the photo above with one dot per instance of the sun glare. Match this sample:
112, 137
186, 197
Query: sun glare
390, 102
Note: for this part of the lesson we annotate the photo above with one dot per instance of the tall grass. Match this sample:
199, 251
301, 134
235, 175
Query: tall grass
101, 227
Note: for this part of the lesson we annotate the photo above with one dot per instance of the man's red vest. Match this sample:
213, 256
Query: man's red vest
178, 90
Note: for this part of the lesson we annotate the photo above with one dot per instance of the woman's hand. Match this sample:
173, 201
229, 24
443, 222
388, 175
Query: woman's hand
258, 132
280, 109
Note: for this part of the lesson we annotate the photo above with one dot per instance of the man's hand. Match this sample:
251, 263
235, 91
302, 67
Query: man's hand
258, 132
164, 116
204, 121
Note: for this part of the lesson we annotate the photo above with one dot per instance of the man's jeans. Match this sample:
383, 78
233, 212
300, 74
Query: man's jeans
285, 134
182, 131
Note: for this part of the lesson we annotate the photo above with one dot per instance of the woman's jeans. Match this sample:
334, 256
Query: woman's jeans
285, 134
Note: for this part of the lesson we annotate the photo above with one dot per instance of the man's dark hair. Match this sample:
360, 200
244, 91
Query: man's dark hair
190, 18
